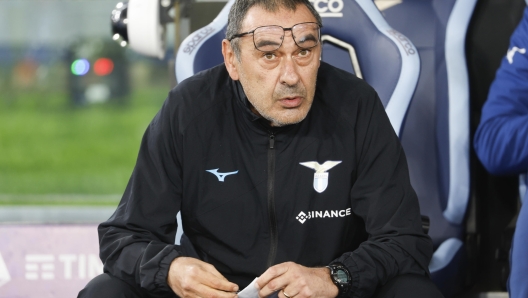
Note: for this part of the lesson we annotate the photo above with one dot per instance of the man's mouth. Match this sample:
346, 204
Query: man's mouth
291, 102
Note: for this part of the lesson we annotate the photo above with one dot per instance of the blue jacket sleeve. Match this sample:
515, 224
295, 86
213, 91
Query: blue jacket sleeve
501, 140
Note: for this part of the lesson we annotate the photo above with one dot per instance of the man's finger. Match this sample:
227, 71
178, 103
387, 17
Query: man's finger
219, 283
208, 285
205, 291
275, 285
287, 293
186, 275
209, 276
272, 273
274, 279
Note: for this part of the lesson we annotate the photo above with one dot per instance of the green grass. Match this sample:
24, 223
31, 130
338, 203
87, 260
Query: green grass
49, 147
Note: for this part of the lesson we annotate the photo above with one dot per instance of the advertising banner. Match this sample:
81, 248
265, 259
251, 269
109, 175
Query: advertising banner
47, 260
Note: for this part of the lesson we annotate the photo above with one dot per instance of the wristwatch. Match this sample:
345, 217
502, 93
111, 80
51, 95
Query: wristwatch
341, 278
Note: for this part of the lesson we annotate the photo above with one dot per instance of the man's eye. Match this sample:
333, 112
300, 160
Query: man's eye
304, 53
269, 56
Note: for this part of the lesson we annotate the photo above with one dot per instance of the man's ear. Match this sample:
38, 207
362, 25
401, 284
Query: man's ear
229, 59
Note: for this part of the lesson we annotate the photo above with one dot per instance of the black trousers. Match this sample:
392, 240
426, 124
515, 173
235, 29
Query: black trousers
403, 286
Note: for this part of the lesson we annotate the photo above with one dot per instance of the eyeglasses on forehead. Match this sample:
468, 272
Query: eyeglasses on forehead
269, 38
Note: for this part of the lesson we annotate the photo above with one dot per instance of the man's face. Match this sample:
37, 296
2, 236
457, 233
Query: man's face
279, 84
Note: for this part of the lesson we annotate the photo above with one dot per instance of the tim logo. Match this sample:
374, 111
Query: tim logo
329, 8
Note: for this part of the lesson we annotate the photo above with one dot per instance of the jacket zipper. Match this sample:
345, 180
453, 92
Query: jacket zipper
271, 201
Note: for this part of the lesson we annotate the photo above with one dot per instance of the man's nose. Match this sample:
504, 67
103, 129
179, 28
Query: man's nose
289, 72
289, 69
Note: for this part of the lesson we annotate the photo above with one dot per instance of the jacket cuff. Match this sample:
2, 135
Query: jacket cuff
160, 279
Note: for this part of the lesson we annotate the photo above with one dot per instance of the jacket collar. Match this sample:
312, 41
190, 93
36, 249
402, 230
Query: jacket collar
246, 105
256, 120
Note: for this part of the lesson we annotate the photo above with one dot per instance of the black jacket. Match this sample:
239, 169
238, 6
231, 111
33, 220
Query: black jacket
265, 209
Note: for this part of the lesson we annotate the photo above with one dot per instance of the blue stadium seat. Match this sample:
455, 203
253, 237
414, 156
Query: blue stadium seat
436, 134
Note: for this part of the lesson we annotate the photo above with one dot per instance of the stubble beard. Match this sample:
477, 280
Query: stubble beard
287, 116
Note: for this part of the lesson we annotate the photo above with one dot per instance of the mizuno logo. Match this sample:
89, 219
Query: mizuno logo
512, 52
221, 176
321, 176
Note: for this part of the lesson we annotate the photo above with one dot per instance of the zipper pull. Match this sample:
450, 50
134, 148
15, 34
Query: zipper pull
272, 141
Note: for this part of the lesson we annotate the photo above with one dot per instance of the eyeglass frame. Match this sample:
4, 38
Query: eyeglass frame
283, 34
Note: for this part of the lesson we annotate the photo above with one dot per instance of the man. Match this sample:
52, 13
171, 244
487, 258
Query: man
501, 141
281, 165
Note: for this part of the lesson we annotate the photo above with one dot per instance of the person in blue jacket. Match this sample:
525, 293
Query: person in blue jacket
501, 141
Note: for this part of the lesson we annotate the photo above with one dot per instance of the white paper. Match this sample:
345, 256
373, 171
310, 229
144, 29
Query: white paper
250, 291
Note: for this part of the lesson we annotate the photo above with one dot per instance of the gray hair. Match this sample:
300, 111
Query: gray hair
240, 8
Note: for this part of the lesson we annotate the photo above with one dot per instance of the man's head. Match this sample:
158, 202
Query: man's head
276, 66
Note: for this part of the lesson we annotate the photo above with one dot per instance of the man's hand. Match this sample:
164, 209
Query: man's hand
190, 277
296, 280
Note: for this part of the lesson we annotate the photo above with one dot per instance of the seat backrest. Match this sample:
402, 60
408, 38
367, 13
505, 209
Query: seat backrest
202, 49
355, 38
436, 134
382, 56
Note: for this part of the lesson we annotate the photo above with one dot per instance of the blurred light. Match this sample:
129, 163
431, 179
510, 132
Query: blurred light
25, 73
97, 93
165, 3
125, 21
80, 67
123, 43
119, 5
116, 36
116, 14
103, 66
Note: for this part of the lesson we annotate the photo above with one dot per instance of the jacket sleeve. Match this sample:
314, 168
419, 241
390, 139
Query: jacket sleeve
501, 140
383, 197
137, 242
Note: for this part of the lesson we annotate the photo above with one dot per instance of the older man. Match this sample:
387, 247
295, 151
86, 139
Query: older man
284, 168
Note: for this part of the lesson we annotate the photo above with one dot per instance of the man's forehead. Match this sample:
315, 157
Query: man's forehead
257, 16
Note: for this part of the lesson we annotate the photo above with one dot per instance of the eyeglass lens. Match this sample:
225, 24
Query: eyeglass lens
269, 38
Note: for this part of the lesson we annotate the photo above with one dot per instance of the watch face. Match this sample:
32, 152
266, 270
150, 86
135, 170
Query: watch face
341, 276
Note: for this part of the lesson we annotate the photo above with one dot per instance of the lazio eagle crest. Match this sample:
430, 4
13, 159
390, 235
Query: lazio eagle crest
320, 182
